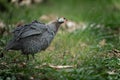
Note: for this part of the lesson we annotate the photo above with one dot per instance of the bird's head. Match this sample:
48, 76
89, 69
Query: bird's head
61, 20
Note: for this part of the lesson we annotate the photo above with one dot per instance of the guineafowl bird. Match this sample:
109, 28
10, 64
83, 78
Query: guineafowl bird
34, 37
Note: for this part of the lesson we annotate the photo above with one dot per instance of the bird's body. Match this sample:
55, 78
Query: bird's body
33, 38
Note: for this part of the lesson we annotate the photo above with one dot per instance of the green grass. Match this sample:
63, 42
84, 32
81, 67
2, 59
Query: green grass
80, 48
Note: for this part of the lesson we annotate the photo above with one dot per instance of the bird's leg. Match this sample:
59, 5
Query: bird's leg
16, 57
33, 56
27, 57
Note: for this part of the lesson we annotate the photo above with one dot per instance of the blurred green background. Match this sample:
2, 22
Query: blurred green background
99, 11
92, 46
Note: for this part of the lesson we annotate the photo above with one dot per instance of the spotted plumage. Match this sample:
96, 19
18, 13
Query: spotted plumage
33, 37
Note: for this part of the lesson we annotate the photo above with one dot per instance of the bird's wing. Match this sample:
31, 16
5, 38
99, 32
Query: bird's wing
30, 29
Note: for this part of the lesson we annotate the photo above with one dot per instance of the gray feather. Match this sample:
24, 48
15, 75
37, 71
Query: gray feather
28, 30
33, 37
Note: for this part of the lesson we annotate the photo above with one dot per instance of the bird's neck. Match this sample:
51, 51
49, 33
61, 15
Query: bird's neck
55, 26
